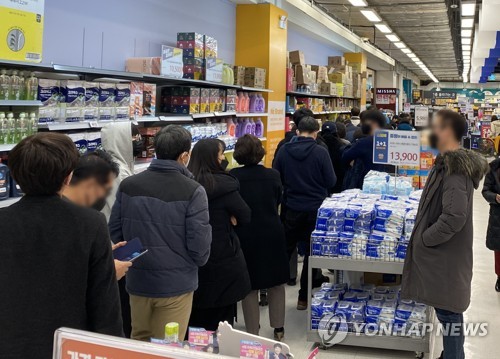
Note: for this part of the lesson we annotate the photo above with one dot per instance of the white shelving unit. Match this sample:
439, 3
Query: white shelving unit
307, 94
8, 202
418, 345
20, 103
252, 114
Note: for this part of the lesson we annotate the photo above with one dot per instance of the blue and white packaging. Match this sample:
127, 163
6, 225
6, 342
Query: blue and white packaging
122, 101
73, 93
94, 141
317, 239
80, 141
49, 92
107, 94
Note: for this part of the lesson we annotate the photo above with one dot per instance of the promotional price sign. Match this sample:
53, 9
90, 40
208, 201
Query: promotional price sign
421, 116
398, 148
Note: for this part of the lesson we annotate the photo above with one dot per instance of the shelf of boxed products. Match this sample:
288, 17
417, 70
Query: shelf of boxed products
306, 94
103, 74
325, 112
251, 114
8, 202
20, 103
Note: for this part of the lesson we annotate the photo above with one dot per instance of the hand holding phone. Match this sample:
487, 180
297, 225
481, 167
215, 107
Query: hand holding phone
129, 251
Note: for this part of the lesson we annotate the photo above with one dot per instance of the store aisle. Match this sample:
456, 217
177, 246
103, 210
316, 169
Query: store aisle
484, 307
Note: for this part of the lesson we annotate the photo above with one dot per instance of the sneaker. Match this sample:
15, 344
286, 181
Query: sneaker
497, 286
279, 334
292, 282
301, 304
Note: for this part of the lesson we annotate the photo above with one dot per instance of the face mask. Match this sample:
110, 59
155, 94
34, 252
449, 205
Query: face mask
366, 129
137, 147
99, 204
224, 164
433, 140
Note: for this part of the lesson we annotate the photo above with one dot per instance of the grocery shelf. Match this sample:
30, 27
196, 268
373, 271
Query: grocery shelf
223, 114
392, 342
356, 265
255, 89
323, 112
8, 202
252, 114
307, 94
175, 118
19, 103
8, 147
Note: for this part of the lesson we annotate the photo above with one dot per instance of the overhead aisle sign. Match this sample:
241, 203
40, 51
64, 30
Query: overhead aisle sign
398, 148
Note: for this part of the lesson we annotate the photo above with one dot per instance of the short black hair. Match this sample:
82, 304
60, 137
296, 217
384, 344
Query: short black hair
98, 165
355, 111
278, 345
494, 118
455, 121
40, 163
172, 141
248, 150
341, 130
308, 125
300, 114
376, 116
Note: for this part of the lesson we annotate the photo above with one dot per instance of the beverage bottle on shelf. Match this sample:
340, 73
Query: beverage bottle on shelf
4, 129
15, 86
253, 103
240, 102
4, 85
11, 124
22, 85
32, 88
237, 131
259, 128
246, 102
22, 127
231, 128
262, 103
32, 124
247, 129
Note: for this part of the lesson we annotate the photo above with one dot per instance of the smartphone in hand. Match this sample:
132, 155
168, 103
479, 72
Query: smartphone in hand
130, 252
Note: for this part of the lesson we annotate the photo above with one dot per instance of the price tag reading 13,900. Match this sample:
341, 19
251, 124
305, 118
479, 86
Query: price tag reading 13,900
398, 148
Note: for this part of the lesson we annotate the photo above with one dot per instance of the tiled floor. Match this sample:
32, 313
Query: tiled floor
485, 307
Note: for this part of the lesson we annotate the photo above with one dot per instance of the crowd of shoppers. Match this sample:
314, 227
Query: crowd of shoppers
215, 237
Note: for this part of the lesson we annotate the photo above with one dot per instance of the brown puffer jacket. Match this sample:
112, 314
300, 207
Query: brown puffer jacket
438, 266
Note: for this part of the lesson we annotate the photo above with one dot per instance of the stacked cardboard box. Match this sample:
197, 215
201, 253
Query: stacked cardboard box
239, 75
144, 65
197, 48
255, 77
142, 99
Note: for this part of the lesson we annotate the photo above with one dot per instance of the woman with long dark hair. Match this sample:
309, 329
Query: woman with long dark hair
224, 280
491, 192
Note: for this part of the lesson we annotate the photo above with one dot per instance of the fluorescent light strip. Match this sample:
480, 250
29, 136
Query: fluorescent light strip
466, 33
469, 9
383, 28
358, 3
406, 51
371, 15
467, 23
400, 45
466, 47
466, 40
392, 38
411, 56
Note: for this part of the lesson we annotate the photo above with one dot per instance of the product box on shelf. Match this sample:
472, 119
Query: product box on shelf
171, 61
337, 77
340, 89
255, 77
213, 69
215, 100
335, 61
193, 68
21, 30
145, 65
231, 98
321, 73
289, 79
181, 100
91, 111
149, 99
239, 75
192, 43
204, 100
148, 134
328, 88
122, 101
210, 46
80, 141
49, 92
107, 94
73, 93
297, 57
302, 74
136, 99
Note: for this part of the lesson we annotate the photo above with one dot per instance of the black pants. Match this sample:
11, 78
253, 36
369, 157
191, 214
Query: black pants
209, 318
453, 334
298, 228
125, 303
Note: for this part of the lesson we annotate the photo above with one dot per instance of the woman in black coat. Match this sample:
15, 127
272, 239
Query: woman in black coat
263, 239
491, 192
224, 280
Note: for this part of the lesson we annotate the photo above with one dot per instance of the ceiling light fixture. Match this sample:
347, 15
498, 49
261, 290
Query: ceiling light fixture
383, 28
411, 55
468, 8
392, 38
466, 47
466, 33
406, 51
358, 3
466, 40
416, 59
371, 15
400, 45
467, 23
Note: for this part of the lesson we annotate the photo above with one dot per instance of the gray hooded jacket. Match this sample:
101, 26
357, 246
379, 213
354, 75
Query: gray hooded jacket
438, 266
117, 141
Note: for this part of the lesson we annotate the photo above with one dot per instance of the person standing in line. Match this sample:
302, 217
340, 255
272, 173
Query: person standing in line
123, 142
336, 148
224, 280
404, 123
359, 157
263, 239
352, 124
57, 268
495, 126
341, 133
308, 178
91, 184
438, 265
168, 211
491, 192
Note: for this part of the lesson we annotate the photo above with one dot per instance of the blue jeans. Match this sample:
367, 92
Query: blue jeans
453, 334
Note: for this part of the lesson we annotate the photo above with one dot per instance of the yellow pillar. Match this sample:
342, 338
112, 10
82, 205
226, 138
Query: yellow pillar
359, 57
262, 42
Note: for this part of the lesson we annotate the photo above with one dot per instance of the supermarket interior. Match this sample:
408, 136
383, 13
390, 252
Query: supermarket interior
249, 179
